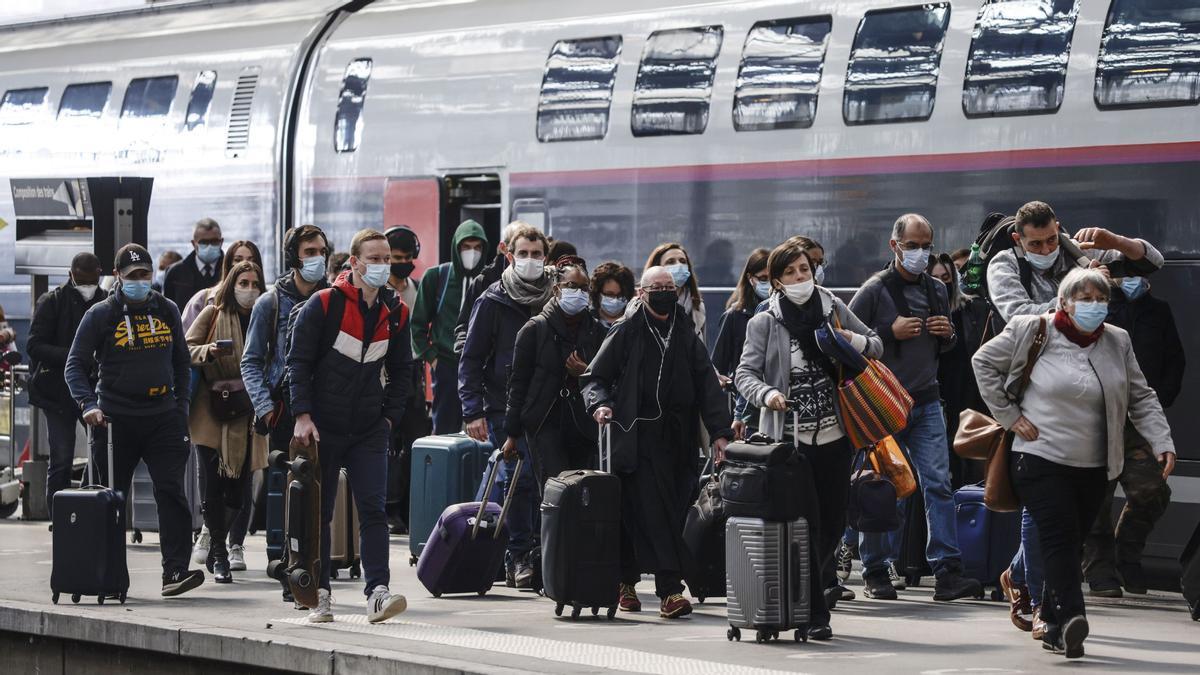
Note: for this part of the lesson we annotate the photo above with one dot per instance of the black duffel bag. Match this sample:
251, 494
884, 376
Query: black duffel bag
872, 505
764, 479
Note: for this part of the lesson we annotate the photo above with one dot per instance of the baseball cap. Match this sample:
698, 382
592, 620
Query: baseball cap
133, 257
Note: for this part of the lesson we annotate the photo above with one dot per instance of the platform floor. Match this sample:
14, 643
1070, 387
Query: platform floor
511, 631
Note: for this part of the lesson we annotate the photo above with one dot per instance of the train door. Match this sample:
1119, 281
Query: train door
434, 207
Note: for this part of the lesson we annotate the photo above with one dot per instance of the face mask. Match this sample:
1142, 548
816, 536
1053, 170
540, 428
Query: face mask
800, 292
762, 289
819, 275
88, 292
1042, 262
208, 253
246, 296
135, 290
377, 275
1089, 315
679, 273
402, 270
573, 301
915, 261
1134, 287
613, 306
529, 269
662, 302
312, 269
471, 258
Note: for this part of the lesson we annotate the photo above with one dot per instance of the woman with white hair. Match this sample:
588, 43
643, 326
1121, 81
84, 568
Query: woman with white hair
1069, 429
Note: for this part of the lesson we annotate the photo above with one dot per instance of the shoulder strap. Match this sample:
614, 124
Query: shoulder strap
1035, 352
444, 281
1026, 271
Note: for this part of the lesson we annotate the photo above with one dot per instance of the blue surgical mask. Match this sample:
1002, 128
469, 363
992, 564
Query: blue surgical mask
914, 261
1134, 287
1089, 315
819, 275
1042, 262
762, 289
312, 269
377, 275
208, 253
613, 306
573, 301
679, 273
135, 290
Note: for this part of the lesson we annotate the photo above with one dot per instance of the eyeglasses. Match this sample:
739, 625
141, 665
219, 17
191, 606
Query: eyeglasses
912, 246
652, 289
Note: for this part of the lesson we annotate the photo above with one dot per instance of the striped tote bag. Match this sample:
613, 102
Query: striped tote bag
873, 405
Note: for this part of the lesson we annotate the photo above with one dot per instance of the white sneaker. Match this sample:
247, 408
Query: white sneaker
200, 549
324, 611
237, 558
382, 605
898, 582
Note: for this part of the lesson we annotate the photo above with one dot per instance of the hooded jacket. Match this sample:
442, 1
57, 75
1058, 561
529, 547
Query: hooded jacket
488, 353
440, 298
55, 320
475, 288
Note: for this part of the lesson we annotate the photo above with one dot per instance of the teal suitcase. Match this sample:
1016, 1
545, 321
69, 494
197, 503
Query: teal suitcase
445, 471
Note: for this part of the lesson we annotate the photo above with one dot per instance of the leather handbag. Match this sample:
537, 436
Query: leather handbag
889, 461
872, 504
229, 400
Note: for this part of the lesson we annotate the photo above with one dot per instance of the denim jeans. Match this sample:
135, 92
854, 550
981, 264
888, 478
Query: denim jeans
1027, 563
365, 459
522, 515
60, 432
924, 439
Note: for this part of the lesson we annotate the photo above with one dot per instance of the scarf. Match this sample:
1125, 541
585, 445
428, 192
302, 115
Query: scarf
1062, 321
235, 436
534, 295
802, 321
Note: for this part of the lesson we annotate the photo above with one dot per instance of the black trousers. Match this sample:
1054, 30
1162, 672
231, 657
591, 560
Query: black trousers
162, 442
224, 497
60, 432
830, 464
1063, 501
561, 446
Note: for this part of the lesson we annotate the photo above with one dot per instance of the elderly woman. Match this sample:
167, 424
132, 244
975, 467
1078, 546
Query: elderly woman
1069, 428
782, 368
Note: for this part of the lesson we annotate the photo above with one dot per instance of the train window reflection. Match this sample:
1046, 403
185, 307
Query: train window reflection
577, 89
21, 106
149, 97
674, 81
1150, 54
347, 128
780, 73
1018, 58
202, 93
84, 101
893, 70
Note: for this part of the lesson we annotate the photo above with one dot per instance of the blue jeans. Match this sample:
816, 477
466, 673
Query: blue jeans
924, 439
365, 459
1027, 563
523, 512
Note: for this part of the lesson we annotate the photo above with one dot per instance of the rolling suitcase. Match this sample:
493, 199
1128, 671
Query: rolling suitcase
987, 539
343, 532
581, 537
759, 479
445, 471
144, 509
88, 555
769, 570
704, 534
466, 548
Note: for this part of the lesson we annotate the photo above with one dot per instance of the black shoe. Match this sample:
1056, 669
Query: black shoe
953, 585
1133, 578
1195, 607
287, 596
821, 633
832, 595
523, 574
178, 583
510, 571
220, 570
1073, 634
878, 586
1104, 587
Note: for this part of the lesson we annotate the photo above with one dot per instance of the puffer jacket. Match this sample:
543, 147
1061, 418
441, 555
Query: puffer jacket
488, 353
55, 320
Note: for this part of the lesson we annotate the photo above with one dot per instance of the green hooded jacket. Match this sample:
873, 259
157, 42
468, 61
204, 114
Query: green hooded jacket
435, 315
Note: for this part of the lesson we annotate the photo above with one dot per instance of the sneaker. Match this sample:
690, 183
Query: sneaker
1039, 626
323, 612
953, 585
178, 583
523, 573
895, 578
847, 594
878, 587
510, 571
220, 570
627, 598
1105, 587
1073, 635
820, 633
1018, 601
382, 605
1133, 578
675, 606
237, 558
200, 548
844, 562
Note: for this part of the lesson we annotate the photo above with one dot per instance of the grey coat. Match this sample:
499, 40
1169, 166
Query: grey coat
999, 363
766, 363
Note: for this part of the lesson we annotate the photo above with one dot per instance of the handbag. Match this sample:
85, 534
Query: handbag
872, 404
229, 400
889, 461
872, 504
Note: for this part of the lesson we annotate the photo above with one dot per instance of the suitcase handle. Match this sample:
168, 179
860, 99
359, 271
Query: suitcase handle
602, 445
92, 457
487, 492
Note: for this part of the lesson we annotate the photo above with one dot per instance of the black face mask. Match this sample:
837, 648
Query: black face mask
402, 270
662, 302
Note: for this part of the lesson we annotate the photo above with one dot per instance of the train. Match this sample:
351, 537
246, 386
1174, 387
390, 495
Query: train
616, 125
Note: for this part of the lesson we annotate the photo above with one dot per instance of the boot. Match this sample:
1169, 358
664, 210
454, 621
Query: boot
218, 562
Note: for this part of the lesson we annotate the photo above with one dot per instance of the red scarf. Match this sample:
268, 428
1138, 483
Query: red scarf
1064, 324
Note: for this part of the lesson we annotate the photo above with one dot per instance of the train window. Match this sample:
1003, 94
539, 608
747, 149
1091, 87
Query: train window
893, 70
84, 101
347, 126
149, 97
1149, 55
21, 106
1018, 58
674, 81
780, 73
202, 93
577, 89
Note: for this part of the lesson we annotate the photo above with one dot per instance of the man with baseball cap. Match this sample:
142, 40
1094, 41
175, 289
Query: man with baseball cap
136, 341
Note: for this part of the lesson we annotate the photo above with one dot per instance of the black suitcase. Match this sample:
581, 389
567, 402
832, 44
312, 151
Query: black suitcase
581, 538
704, 534
912, 564
88, 555
760, 479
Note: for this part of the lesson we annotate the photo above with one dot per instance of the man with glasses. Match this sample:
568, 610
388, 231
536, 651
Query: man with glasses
200, 269
910, 310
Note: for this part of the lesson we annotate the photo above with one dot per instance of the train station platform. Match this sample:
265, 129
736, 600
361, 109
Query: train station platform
245, 628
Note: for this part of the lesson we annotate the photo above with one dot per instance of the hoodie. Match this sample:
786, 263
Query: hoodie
435, 315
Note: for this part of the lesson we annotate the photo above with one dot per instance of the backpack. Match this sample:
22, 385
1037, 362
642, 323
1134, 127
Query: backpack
335, 308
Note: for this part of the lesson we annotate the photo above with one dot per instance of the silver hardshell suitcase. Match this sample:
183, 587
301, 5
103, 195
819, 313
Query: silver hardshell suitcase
143, 509
767, 577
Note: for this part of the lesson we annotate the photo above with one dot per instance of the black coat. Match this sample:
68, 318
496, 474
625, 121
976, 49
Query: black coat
1156, 343
56, 318
184, 279
731, 336
539, 373
475, 288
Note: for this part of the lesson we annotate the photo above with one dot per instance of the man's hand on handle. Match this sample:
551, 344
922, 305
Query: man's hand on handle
305, 431
95, 418
509, 449
603, 415
478, 429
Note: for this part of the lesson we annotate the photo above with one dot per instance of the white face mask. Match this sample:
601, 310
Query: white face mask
1043, 262
88, 292
529, 269
799, 292
914, 261
471, 258
246, 296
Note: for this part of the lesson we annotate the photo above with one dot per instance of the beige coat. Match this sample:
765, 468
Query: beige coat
231, 439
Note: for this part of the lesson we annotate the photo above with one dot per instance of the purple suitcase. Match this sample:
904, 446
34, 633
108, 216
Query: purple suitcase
465, 551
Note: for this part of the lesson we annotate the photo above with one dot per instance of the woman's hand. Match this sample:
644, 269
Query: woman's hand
1025, 429
739, 430
777, 401
1167, 459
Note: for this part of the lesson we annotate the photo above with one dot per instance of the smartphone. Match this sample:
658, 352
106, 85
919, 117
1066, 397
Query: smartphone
225, 345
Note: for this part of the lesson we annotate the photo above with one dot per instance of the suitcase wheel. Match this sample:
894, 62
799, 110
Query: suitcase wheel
979, 595
482, 592
412, 561
997, 595
54, 597
734, 633
801, 634
612, 613
575, 609
913, 580
122, 597
558, 608
437, 594
275, 567
100, 599
300, 578
75, 598
136, 537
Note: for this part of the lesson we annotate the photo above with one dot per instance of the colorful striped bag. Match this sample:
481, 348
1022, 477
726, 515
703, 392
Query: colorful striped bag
873, 405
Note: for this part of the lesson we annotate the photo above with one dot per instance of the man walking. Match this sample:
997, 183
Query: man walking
200, 269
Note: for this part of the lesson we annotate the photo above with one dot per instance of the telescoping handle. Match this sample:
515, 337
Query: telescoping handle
491, 482
604, 448
795, 422
108, 434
